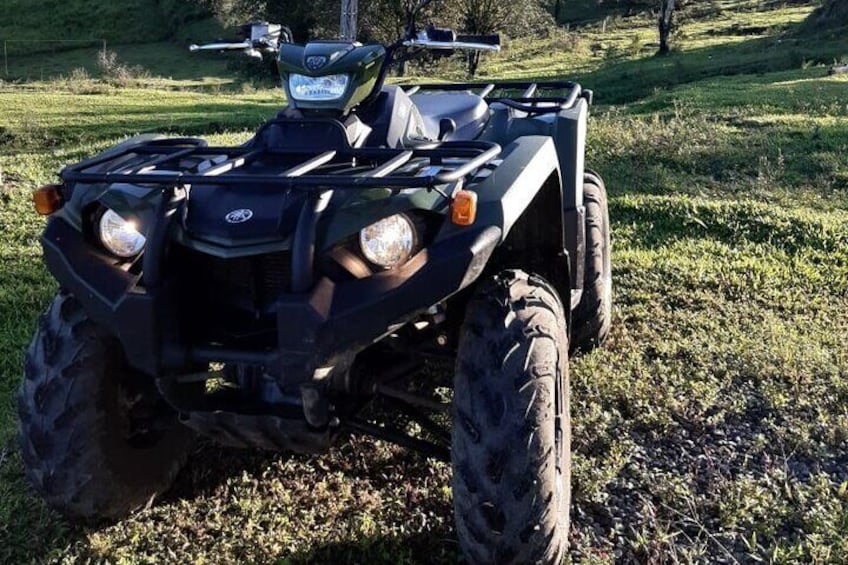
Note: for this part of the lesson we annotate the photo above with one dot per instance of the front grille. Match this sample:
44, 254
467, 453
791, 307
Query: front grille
251, 284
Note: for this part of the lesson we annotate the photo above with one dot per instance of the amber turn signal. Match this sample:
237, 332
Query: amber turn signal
48, 199
464, 208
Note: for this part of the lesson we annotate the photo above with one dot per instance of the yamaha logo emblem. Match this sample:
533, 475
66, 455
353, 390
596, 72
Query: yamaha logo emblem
239, 216
316, 62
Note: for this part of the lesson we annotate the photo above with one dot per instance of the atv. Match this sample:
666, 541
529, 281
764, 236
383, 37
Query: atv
292, 291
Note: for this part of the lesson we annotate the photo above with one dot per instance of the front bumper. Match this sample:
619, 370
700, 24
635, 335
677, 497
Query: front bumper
313, 328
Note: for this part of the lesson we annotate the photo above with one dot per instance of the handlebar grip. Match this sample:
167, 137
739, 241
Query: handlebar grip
494, 39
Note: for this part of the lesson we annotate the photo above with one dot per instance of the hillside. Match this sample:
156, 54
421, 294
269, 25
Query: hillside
831, 17
50, 25
711, 428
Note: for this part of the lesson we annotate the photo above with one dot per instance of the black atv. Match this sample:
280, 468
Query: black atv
289, 292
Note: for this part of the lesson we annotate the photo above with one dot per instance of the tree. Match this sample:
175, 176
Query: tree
666, 25
306, 18
517, 18
386, 20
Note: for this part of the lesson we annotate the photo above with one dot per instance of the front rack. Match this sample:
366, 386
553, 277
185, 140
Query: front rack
427, 167
281, 164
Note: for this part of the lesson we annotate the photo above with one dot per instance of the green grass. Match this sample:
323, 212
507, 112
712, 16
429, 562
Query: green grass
43, 25
713, 425
70, 19
170, 61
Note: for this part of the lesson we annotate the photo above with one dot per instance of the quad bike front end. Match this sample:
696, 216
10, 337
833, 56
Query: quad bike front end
253, 258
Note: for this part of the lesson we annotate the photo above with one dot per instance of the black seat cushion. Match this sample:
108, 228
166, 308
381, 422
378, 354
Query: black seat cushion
469, 111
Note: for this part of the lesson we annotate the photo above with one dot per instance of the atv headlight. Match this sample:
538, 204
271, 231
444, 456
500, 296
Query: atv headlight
120, 236
326, 88
389, 242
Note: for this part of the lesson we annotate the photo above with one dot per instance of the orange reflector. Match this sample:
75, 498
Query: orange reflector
47, 199
464, 208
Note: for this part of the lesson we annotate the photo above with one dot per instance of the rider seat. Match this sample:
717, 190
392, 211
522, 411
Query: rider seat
468, 111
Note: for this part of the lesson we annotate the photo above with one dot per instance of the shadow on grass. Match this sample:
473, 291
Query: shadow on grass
26, 518
658, 222
632, 80
29, 531
789, 160
194, 120
434, 547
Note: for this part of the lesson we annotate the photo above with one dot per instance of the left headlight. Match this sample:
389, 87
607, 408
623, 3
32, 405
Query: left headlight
389, 242
317, 89
120, 236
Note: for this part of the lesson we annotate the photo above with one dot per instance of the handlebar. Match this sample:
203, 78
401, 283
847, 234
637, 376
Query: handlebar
265, 37
221, 46
450, 45
493, 39
447, 39
258, 36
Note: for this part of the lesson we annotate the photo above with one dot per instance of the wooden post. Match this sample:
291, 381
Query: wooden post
350, 9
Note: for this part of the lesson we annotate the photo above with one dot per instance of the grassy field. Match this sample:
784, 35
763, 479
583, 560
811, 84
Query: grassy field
46, 26
713, 425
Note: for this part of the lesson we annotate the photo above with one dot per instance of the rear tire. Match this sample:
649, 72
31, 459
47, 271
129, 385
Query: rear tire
97, 441
593, 316
511, 433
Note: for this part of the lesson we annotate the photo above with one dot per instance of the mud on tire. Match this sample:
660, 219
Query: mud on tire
96, 442
593, 316
511, 425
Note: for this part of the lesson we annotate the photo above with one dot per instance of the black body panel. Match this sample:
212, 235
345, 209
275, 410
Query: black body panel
272, 213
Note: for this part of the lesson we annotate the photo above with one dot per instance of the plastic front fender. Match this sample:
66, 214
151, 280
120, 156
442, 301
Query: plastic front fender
527, 164
508, 199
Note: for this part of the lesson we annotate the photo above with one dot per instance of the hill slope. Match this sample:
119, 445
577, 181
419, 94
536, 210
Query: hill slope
47, 25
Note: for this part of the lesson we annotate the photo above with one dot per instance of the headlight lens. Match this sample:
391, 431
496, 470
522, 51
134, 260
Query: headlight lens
326, 88
389, 242
120, 236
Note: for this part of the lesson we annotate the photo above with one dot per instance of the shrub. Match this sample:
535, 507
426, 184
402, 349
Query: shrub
118, 73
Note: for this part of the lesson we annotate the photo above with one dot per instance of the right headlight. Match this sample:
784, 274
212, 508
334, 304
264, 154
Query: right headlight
389, 242
120, 236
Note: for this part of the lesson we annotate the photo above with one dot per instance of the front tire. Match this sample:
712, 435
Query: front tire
511, 433
96, 441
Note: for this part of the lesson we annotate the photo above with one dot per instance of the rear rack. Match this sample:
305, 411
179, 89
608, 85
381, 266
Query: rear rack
531, 99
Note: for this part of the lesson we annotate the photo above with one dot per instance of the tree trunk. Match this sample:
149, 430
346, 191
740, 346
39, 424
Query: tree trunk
473, 63
350, 9
666, 25
402, 67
